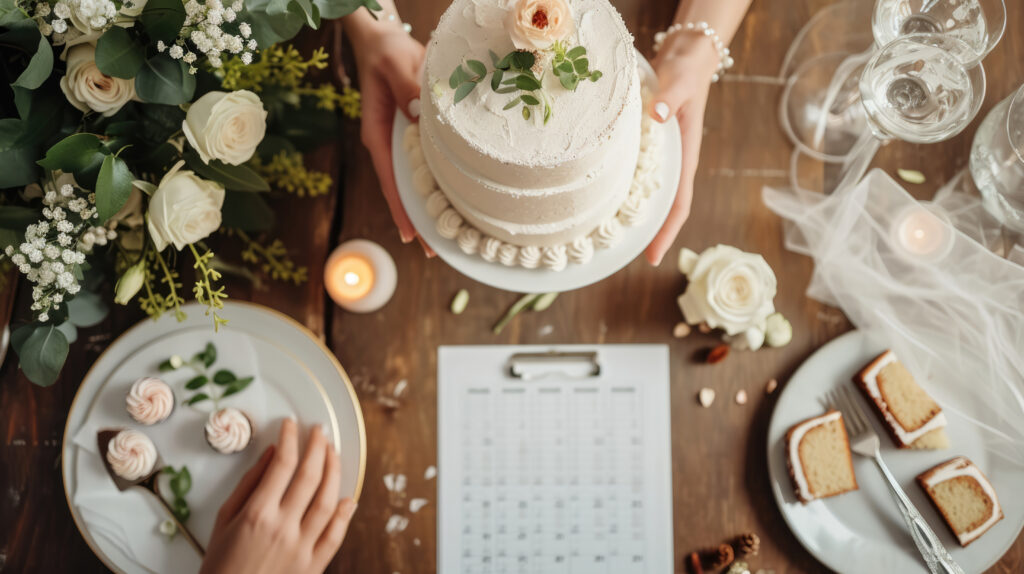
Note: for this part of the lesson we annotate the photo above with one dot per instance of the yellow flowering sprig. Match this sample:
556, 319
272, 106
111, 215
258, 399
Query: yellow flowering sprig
154, 302
203, 289
273, 259
286, 171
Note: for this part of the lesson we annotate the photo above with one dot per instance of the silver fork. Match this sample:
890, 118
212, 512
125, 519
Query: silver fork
864, 442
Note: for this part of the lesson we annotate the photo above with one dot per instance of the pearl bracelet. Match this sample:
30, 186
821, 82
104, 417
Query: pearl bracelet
725, 61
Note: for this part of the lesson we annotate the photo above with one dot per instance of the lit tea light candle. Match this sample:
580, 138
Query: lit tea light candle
360, 276
923, 233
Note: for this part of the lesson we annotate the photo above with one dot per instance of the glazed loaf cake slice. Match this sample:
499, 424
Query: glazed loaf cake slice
912, 418
819, 459
964, 497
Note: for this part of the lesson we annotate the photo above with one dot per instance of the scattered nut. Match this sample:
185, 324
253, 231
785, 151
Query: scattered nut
741, 397
693, 563
704, 327
717, 354
460, 301
910, 175
771, 386
706, 396
681, 330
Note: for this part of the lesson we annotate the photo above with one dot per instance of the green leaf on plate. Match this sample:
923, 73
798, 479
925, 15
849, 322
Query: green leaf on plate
209, 355
197, 398
223, 377
181, 482
237, 386
197, 382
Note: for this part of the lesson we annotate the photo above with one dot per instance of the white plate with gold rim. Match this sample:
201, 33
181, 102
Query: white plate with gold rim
296, 376
605, 261
863, 531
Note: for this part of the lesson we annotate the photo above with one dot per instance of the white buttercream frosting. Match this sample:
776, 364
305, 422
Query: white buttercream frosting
961, 466
131, 455
150, 400
489, 248
871, 382
411, 138
449, 223
608, 233
423, 180
468, 240
555, 258
581, 250
228, 430
529, 256
634, 211
794, 452
436, 204
508, 255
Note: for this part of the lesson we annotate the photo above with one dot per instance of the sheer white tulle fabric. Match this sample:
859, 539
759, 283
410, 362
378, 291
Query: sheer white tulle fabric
957, 318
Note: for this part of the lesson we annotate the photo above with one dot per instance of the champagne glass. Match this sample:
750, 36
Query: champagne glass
821, 111
997, 161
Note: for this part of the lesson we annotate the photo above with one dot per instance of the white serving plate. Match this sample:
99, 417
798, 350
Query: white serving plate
605, 262
298, 375
862, 531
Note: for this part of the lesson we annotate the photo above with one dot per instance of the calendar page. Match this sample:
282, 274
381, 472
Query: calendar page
565, 471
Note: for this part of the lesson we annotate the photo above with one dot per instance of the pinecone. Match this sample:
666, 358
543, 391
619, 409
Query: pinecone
693, 563
720, 557
747, 544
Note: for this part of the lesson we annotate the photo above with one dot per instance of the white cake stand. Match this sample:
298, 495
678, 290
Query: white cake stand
519, 279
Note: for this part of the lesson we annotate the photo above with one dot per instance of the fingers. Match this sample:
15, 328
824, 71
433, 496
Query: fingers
326, 500
332, 537
426, 248
245, 488
281, 468
691, 130
673, 89
308, 476
378, 142
406, 86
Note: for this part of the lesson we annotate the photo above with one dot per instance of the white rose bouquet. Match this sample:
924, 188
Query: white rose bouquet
133, 130
734, 292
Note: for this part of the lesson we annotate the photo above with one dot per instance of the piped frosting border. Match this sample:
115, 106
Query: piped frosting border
451, 225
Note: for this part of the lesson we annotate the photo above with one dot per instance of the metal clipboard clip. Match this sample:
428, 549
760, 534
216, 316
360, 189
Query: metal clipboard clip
570, 364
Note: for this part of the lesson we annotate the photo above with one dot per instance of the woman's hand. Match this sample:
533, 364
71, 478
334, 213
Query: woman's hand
285, 514
388, 61
684, 67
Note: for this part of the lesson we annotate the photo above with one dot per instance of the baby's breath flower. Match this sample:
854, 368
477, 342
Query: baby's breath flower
245, 29
176, 52
160, 46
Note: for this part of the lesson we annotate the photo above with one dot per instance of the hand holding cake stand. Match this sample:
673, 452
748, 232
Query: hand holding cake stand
638, 226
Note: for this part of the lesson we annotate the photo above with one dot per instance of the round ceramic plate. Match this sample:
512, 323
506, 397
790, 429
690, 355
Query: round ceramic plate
296, 375
605, 261
862, 531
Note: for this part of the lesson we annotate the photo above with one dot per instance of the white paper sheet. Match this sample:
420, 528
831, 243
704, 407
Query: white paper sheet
558, 474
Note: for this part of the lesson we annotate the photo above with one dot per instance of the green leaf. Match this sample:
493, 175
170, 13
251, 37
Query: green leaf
10, 13
76, 153
458, 77
197, 382
233, 177
42, 350
42, 112
523, 60
477, 67
582, 66
118, 54
181, 482
270, 29
166, 366
526, 113
508, 90
494, 58
563, 68
513, 103
24, 36
223, 377
464, 90
331, 9
595, 76
496, 80
547, 113
163, 19
17, 217
527, 83
246, 211
87, 309
69, 330
236, 387
181, 509
569, 82
163, 80
16, 157
576, 52
113, 187
197, 398
530, 100
209, 355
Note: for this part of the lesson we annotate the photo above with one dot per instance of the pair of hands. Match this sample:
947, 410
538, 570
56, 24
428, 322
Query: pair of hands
389, 64
286, 514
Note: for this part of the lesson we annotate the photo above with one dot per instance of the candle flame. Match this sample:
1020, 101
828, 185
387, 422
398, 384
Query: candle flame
351, 278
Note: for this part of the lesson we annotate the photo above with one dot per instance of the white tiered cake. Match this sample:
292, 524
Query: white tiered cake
536, 171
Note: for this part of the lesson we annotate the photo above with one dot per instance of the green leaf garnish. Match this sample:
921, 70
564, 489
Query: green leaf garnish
464, 90
223, 377
526, 113
478, 68
197, 398
197, 382
576, 52
496, 79
513, 103
530, 100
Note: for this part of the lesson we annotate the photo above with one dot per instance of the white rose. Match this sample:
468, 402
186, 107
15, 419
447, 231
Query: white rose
87, 88
729, 290
184, 209
226, 126
133, 8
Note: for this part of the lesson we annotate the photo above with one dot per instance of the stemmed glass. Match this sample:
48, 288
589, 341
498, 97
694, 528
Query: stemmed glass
822, 111
997, 161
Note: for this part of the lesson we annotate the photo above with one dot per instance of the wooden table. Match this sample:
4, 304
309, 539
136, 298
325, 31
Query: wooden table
719, 464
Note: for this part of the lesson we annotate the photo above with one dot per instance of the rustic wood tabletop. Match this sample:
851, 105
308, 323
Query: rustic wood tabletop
721, 485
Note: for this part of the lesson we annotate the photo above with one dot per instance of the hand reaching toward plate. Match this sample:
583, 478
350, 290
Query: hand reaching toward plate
286, 514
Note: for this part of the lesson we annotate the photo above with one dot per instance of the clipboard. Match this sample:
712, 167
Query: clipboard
554, 459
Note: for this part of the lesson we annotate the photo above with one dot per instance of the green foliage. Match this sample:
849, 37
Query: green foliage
331, 9
42, 350
81, 154
164, 80
286, 171
571, 67
212, 387
113, 187
119, 54
18, 160
87, 309
23, 36
233, 177
180, 483
163, 19
17, 217
272, 258
246, 211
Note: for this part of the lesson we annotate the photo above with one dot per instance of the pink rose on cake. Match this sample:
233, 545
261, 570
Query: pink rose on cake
537, 24
729, 290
